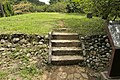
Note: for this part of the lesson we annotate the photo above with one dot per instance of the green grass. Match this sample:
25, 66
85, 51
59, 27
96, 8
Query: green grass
42, 23
86, 26
3, 75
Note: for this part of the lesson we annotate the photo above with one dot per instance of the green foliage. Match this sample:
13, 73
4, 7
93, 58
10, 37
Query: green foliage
36, 2
8, 9
79, 6
74, 7
57, 7
40, 8
107, 9
22, 7
55, 1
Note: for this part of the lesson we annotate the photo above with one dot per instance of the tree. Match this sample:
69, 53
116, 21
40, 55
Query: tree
57, 7
37, 2
74, 7
2, 14
55, 1
108, 9
6, 8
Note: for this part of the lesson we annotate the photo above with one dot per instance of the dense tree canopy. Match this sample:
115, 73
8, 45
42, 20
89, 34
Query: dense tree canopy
37, 2
107, 9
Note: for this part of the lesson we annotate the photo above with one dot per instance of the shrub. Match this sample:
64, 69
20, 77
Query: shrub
57, 7
22, 7
40, 8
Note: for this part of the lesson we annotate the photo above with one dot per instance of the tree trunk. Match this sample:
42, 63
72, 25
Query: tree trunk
2, 11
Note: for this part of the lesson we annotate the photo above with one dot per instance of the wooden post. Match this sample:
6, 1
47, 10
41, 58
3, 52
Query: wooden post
50, 48
2, 10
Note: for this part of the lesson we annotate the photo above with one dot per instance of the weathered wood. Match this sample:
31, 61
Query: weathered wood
65, 48
50, 48
66, 43
66, 58
65, 36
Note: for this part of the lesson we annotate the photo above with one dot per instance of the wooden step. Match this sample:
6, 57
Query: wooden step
61, 29
66, 43
60, 53
66, 49
66, 59
65, 36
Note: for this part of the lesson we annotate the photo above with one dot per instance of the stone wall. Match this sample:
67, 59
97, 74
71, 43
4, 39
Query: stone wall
97, 51
23, 50
33, 49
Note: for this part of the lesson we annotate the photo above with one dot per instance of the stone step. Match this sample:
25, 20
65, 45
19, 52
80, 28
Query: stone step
64, 36
66, 43
66, 59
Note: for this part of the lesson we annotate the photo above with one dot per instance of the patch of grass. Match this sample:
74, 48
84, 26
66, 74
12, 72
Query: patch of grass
3, 75
35, 23
42, 23
86, 26
29, 72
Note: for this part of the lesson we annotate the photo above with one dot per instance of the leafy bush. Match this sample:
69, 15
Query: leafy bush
57, 7
73, 7
22, 7
40, 8
8, 9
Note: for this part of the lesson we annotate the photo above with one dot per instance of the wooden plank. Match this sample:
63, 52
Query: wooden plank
66, 58
59, 33
66, 49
